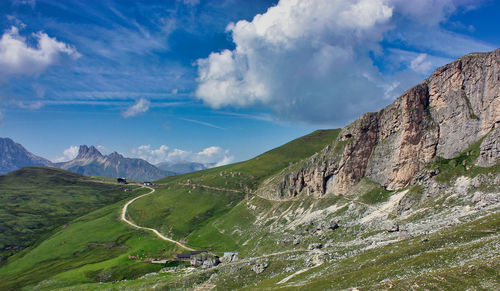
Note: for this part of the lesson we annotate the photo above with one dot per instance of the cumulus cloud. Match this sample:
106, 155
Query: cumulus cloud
17, 57
141, 106
314, 60
67, 155
210, 156
151, 155
302, 58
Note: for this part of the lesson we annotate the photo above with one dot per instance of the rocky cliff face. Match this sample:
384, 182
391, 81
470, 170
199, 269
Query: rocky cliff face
14, 156
455, 107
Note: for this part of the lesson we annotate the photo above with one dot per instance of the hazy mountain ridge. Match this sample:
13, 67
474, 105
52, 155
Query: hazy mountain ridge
90, 161
14, 156
182, 167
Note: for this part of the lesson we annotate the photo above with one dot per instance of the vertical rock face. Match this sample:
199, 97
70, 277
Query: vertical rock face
464, 100
456, 106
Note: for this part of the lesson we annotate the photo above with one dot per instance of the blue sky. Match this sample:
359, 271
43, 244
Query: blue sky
216, 81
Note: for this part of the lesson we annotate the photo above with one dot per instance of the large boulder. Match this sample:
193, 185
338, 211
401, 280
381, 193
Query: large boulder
204, 260
259, 268
229, 257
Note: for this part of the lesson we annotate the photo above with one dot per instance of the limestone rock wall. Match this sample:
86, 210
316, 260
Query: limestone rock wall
456, 106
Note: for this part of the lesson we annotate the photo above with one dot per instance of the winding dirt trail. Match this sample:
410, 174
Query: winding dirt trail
156, 232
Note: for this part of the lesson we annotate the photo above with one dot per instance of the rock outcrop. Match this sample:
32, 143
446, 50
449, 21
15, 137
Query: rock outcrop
489, 150
455, 107
204, 261
259, 268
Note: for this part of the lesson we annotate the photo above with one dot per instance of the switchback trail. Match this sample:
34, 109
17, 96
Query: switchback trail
156, 232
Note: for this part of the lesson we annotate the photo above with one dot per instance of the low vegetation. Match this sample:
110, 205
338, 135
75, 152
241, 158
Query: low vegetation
35, 201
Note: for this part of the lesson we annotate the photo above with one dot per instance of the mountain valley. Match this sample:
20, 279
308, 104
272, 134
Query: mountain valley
404, 198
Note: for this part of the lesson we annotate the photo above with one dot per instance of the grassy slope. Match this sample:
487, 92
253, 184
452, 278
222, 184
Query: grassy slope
182, 210
35, 201
96, 246
92, 248
459, 257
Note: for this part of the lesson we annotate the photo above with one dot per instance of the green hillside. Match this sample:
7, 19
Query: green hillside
178, 210
93, 248
35, 201
96, 247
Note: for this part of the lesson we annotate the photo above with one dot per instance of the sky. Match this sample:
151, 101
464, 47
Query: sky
216, 81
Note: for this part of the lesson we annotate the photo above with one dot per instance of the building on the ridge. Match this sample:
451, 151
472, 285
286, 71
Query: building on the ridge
188, 256
121, 181
148, 184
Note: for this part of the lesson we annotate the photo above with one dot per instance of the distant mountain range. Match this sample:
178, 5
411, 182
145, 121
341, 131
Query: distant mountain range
182, 167
90, 161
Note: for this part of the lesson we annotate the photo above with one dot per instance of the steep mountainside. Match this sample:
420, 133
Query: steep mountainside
90, 161
14, 156
445, 114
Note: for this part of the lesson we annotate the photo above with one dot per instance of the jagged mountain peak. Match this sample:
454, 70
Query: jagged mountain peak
85, 152
90, 161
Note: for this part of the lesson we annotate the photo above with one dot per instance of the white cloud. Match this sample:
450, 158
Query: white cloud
151, 155
191, 2
421, 64
313, 61
431, 12
31, 106
210, 156
68, 154
31, 3
19, 58
202, 123
302, 58
102, 149
141, 106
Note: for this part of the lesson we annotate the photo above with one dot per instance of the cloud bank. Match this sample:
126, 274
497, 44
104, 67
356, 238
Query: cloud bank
315, 61
210, 156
